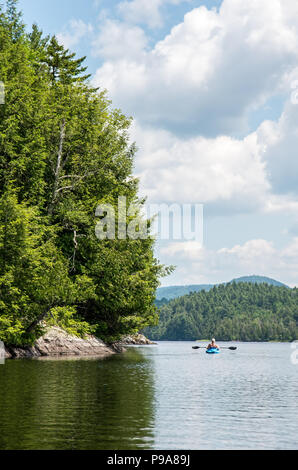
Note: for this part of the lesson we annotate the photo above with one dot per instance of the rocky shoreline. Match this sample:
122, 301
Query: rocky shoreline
137, 339
58, 343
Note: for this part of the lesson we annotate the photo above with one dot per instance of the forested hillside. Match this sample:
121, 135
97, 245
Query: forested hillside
172, 292
235, 311
63, 151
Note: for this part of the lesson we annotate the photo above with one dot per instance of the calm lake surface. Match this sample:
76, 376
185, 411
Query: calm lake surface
167, 396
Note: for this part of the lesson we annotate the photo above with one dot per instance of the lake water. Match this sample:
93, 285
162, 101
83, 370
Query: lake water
167, 396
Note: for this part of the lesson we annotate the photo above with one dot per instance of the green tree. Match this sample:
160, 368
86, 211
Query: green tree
64, 151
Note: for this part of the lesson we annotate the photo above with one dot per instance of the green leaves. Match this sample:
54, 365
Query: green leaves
67, 319
64, 150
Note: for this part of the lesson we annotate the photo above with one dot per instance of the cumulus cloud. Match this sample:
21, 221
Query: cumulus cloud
256, 173
74, 32
221, 171
197, 264
211, 70
281, 150
193, 91
144, 11
117, 40
192, 95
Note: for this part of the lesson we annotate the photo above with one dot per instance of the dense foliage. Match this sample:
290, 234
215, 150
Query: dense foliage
235, 311
63, 151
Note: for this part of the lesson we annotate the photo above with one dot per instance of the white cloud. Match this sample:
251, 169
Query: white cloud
250, 251
191, 94
281, 150
189, 249
260, 257
255, 174
202, 79
210, 71
141, 11
74, 32
117, 41
222, 171
144, 11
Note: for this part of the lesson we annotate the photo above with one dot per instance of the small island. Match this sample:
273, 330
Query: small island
65, 152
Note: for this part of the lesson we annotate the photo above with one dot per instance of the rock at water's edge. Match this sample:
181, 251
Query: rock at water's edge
135, 339
56, 342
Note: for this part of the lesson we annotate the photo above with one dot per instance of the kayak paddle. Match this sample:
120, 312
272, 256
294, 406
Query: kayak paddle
232, 348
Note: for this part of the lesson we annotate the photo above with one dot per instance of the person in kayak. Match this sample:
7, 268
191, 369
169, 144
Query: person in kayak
212, 345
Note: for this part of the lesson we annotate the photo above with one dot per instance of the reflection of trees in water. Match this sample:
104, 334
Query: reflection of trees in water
85, 404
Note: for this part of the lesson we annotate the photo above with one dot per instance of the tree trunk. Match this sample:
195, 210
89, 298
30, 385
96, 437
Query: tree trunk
58, 168
37, 320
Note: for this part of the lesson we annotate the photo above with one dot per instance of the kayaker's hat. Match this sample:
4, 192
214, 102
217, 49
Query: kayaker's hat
213, 340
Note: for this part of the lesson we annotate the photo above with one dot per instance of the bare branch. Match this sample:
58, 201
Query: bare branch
63, 188
69, 177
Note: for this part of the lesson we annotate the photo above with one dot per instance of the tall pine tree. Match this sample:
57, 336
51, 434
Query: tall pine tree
63, 151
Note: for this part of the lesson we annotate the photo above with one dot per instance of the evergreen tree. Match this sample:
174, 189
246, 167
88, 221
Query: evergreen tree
14, 20
64, 151
63, 66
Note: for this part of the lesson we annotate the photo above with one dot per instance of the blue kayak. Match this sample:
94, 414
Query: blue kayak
212, 351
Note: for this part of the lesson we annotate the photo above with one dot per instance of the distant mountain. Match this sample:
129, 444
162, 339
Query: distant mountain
172, 292
260, 280
234, 311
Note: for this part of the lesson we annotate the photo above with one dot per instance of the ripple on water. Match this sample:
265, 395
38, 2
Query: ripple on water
161, 397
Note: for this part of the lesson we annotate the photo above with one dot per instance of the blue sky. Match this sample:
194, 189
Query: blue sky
210, 86
54, 16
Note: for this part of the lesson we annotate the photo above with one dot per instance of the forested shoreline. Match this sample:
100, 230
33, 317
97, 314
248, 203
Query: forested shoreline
63, 151
230, 312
